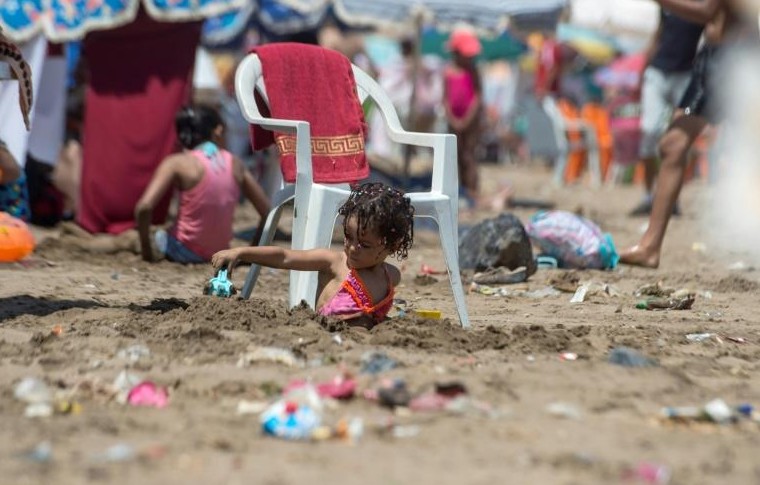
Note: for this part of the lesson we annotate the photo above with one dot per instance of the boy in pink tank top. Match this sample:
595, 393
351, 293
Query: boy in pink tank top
210, 180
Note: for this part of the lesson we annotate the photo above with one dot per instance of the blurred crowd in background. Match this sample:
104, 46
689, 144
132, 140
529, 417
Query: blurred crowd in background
557, 81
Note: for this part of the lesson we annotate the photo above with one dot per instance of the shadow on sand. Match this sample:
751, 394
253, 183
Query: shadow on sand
14, 306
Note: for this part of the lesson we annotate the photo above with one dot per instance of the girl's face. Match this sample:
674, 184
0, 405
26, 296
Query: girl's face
461, 60
364, 249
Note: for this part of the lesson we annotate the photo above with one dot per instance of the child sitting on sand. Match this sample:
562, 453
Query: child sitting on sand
209, 180
355, 284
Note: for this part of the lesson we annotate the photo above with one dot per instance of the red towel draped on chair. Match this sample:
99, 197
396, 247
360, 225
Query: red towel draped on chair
310, 83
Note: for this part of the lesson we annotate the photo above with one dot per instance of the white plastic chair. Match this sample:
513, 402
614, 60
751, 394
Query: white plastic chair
316, 205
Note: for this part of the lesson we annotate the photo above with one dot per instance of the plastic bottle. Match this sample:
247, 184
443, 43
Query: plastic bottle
680, 303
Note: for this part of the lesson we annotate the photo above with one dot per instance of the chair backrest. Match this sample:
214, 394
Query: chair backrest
250, 73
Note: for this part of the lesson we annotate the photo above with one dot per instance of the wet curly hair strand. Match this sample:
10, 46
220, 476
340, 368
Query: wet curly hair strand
384, 210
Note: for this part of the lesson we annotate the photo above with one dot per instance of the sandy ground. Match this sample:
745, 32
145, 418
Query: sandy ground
509, 360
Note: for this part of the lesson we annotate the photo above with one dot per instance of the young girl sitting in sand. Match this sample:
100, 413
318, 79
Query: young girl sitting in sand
210, 180
355, 284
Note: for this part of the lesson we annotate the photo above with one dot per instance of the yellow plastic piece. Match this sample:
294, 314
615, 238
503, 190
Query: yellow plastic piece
434, 314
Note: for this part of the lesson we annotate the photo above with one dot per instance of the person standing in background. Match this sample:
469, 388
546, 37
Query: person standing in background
547, 92
666, 76
727, 26
463, 100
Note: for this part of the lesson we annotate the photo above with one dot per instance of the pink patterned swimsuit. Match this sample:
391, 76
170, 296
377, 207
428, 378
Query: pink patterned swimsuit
353, 298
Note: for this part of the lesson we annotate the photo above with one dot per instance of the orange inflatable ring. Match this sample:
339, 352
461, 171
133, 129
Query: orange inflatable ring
16, 240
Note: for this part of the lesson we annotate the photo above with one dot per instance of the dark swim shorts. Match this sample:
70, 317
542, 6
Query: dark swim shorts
701, 97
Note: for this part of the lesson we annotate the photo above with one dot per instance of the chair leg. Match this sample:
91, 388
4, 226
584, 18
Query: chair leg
315, 237
594, 162
267, 236
318, 233
447, 226
301, 216
560, 166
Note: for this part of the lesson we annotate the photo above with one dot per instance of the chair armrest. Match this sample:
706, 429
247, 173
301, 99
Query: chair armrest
274, 124
444, 145
302, 131
413, 137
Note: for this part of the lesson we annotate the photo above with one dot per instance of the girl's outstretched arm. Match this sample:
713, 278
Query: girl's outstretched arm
276, 257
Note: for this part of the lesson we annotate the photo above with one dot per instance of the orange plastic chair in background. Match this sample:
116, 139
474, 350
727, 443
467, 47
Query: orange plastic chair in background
576, 147
596, 115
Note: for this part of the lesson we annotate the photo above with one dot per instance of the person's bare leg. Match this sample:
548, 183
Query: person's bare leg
106, 243
470, 173
71, 228
650, 173
67, 174
674, 147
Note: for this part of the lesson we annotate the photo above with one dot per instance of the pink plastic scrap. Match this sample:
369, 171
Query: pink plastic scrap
341, 387
431, 401
651, 473
147, 393
428, 270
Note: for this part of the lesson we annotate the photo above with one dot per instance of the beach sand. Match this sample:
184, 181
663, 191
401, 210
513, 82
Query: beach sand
510, 360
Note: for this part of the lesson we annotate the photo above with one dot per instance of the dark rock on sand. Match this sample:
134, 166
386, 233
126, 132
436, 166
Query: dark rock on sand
497, 242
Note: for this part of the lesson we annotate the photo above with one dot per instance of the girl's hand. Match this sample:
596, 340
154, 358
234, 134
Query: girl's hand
227, 258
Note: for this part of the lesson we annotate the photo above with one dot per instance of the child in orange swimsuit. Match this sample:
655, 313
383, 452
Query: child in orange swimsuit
355, 284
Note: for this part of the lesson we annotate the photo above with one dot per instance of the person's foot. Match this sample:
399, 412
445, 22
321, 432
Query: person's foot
71, 228
498, 201
638, 256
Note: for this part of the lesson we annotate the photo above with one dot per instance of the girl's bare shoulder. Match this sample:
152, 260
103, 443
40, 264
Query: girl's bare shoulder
338, 264
394, 273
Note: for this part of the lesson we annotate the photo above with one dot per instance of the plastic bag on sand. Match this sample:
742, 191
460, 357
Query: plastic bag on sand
296, 416
573, 240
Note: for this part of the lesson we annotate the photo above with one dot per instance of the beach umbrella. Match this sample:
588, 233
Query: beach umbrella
66, 20
502, 46
490, 15
271, 18
632, 23
594, 46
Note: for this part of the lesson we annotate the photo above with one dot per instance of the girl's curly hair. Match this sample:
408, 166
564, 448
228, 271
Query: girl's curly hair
385, 211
